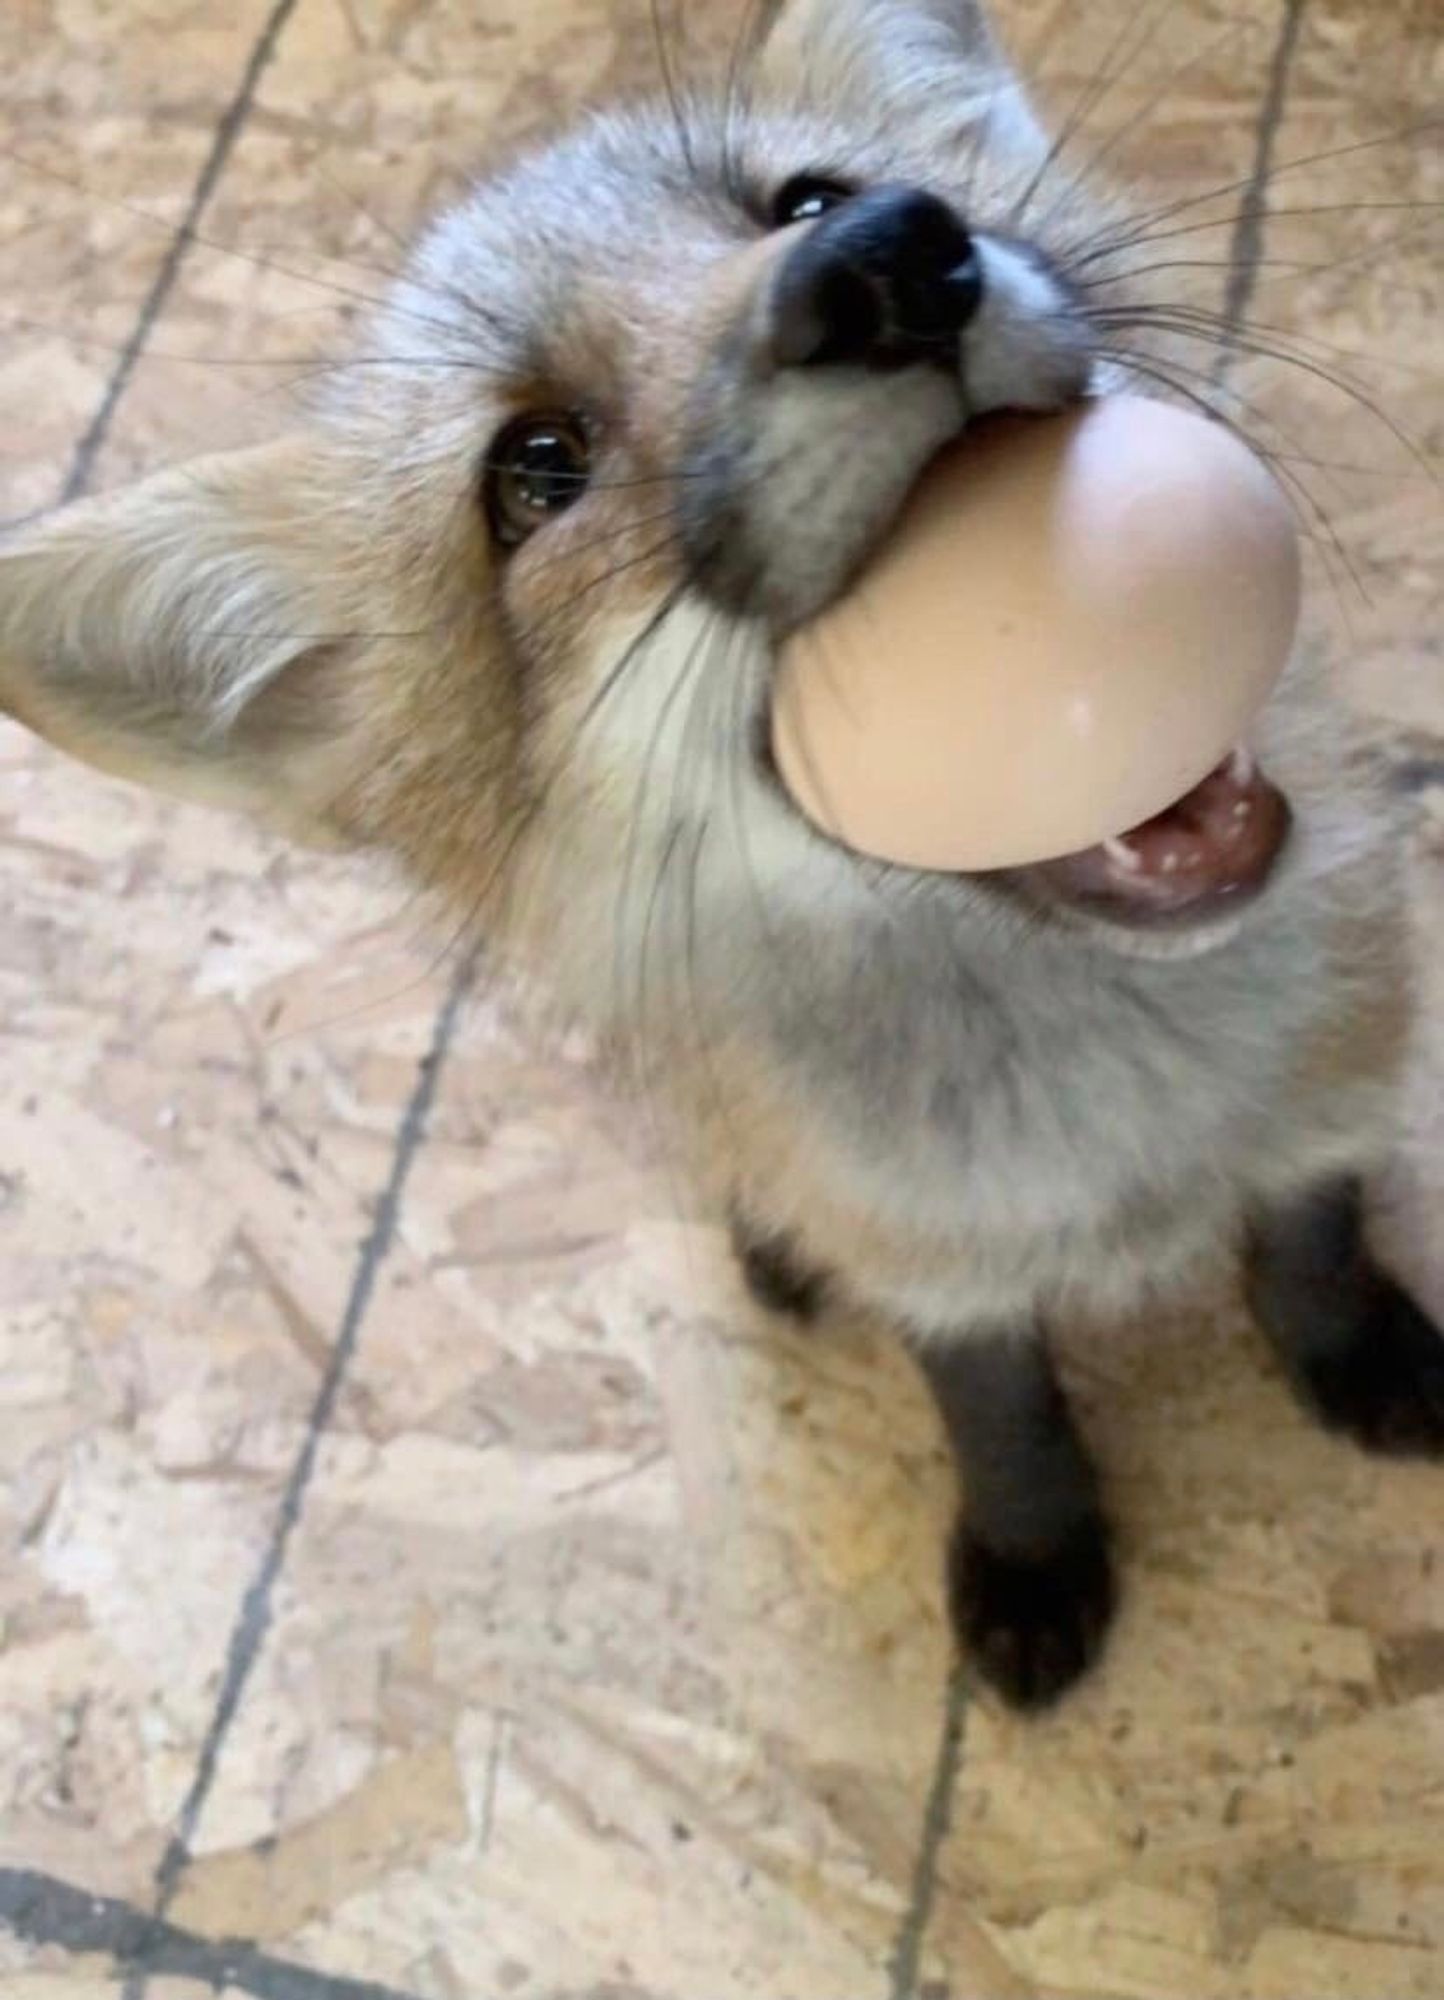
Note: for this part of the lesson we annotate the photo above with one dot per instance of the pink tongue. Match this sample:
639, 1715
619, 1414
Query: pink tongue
1220, 839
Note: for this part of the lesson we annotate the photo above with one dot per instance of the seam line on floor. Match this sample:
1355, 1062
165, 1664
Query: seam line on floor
1247, 244
253, 1623
43, 1910
227, 132
905, 1959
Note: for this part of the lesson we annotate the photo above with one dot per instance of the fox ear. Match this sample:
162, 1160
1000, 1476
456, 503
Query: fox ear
189, 634
880, 61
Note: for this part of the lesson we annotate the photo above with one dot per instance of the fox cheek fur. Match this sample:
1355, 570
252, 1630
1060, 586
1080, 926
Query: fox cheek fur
933, 1097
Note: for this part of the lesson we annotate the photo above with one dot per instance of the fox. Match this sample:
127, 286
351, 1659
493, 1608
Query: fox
506, 604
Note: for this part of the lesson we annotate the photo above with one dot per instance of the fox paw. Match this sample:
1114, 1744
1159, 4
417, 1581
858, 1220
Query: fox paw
1033, 1626
1385, 1388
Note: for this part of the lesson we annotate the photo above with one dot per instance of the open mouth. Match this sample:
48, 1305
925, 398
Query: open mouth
1213, 849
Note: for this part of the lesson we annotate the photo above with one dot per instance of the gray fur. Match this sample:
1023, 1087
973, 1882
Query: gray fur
967, 1109
975, 1107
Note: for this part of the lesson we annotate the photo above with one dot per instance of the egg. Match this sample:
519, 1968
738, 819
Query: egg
1071, 624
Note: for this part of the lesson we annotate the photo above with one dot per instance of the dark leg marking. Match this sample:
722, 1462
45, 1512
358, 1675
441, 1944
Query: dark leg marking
1031, 1579
776, 1274
1361, 1355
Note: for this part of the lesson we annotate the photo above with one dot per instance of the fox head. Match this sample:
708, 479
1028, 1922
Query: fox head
507, 603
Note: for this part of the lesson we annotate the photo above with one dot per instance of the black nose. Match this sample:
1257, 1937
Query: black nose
885, 279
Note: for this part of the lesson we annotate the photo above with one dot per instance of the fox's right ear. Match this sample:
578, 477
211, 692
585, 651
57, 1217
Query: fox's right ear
964, 22
881, 61
191, 634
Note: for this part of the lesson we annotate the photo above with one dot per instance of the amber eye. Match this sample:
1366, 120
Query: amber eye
807, 196
538, 466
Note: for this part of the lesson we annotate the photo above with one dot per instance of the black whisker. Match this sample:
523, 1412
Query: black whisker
1094, 92
1303, 341
1140, 117
537, 800
982, 133
373, 221
589, 483
659, 548
1113, 279
1134, 232
738, 733
1195, 324
542, 558
1295, 487
1263, 449
313, 363
737, 94
670, 85
712, 686
350, 293
1091, 251
637, 1018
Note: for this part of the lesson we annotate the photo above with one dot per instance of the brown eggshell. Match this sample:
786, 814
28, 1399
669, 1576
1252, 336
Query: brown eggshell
1074, 620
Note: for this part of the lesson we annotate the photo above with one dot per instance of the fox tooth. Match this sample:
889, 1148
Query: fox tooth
1122, 855
1241, 765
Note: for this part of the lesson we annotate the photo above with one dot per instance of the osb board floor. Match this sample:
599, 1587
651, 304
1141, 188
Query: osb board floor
424, 1575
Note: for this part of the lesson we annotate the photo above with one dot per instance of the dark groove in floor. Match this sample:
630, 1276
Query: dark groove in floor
1247, 246
905, 1961
44, 1911
228, 131
253, 1623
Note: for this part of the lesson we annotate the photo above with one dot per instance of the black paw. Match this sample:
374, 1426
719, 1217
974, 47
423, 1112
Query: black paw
779, 1279
1385, 1387
1033, 1627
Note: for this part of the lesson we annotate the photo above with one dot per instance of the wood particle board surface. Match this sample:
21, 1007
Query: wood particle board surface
568, 1633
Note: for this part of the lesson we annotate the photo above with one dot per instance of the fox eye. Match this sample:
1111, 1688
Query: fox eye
538, 466
807, 196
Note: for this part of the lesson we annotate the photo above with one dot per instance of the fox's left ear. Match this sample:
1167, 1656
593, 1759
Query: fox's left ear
878, 61
190, 634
